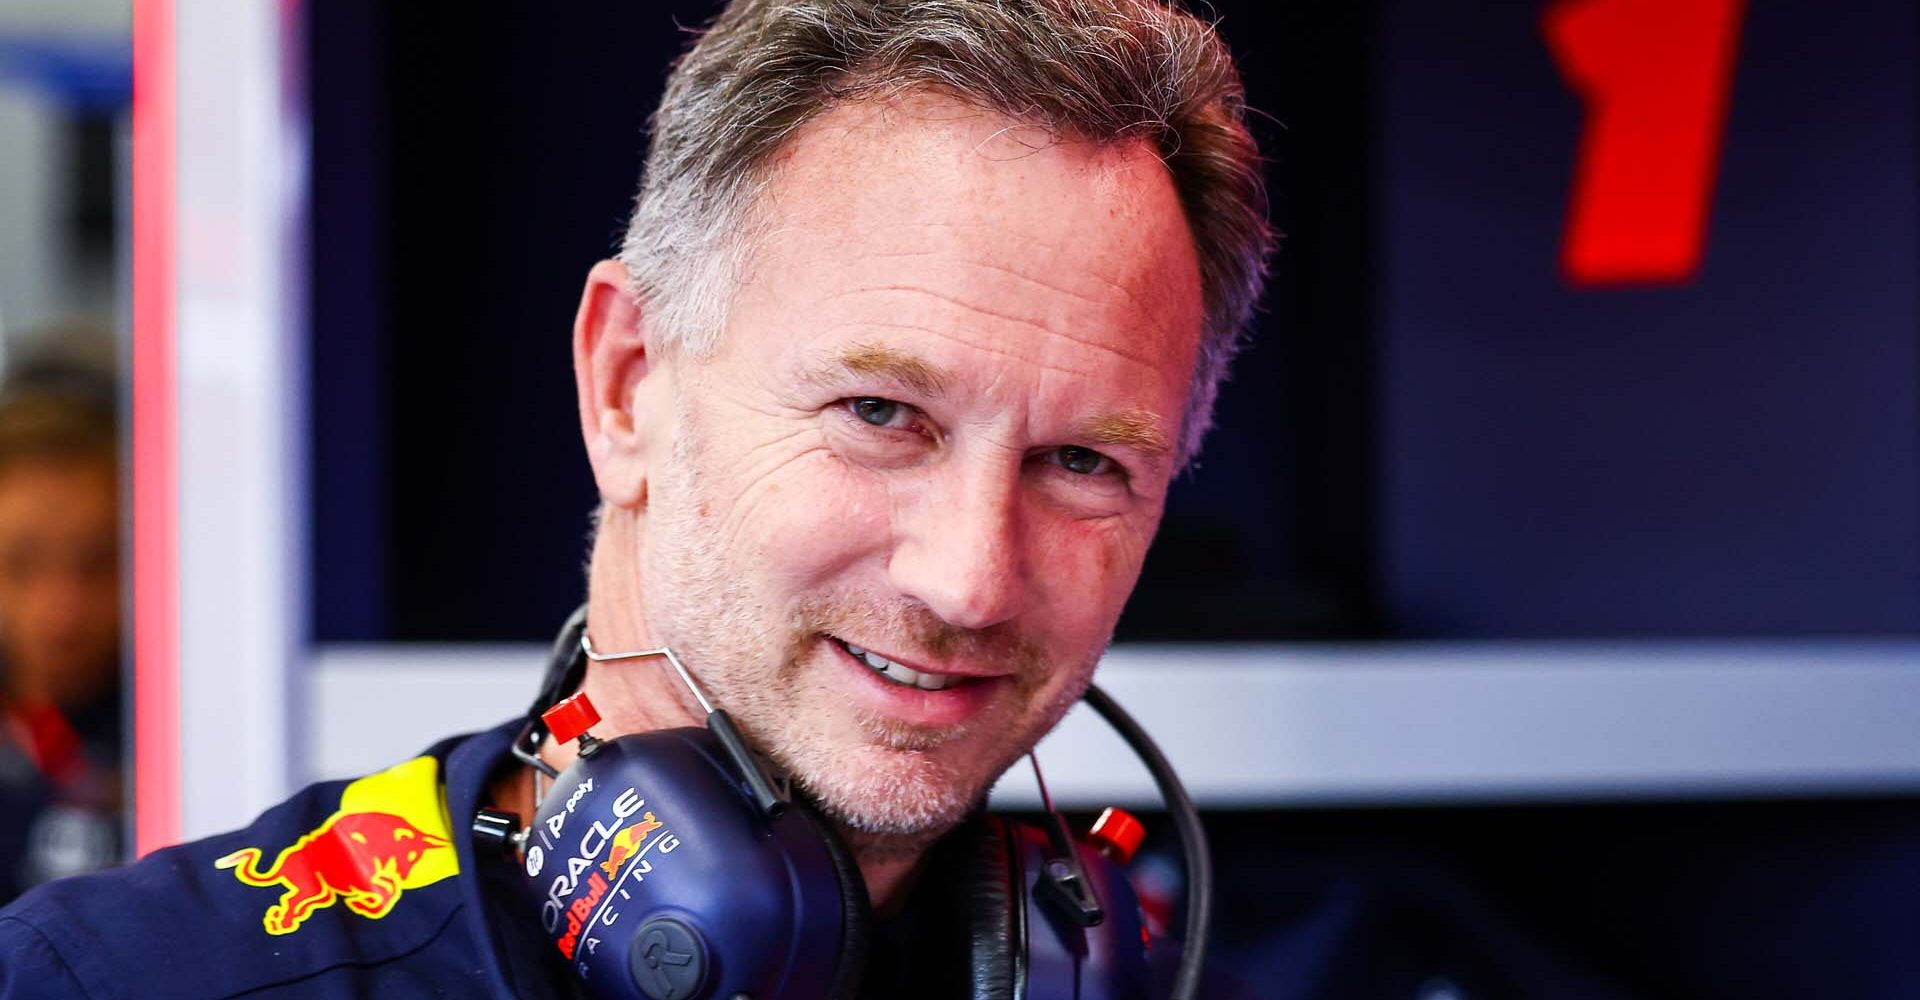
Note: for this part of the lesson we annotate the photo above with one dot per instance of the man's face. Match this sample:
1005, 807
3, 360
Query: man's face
59, 577
937, 432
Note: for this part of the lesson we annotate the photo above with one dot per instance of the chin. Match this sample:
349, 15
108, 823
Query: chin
881, 789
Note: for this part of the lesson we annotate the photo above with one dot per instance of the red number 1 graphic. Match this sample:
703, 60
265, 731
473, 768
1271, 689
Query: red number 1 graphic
1654, 76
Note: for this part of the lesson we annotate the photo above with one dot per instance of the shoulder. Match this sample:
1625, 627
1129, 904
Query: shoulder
31, 966
345, 876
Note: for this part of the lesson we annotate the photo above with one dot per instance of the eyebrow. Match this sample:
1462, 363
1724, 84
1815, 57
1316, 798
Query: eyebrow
886, 362
1133, 429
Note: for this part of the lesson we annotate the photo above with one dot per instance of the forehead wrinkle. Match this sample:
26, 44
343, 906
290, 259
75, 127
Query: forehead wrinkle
1001, 234
1018, 275
959, 303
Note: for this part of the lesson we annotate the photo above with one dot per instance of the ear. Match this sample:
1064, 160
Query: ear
619, 377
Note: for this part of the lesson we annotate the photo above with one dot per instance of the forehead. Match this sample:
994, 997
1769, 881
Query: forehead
965, 225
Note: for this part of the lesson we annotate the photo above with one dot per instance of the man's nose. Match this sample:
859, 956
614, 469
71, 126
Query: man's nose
959, 547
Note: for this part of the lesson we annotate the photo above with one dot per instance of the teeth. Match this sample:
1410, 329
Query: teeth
898, 674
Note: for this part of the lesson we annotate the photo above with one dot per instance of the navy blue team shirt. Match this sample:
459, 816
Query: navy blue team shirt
247, 912
373, 888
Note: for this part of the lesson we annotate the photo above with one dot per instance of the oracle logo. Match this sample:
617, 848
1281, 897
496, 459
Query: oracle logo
1654, 76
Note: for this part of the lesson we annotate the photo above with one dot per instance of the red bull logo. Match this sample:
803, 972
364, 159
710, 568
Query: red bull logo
623, 846
389, 835
580, 912
627, 843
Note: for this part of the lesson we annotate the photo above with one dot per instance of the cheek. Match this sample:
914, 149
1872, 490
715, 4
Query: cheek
815, 521
1085, 571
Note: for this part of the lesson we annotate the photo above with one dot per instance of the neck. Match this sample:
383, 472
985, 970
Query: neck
633, 695
890, 865
643, 695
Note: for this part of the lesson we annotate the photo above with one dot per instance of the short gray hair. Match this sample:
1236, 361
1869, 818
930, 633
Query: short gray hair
1103, 71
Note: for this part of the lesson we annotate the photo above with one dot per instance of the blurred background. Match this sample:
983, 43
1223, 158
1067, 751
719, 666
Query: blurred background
65, 90
1549, 597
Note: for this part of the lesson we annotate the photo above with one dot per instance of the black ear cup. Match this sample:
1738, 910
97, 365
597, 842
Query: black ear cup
996, 911
853, 904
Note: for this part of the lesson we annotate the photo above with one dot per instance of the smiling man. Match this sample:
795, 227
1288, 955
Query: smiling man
922, 307
891, 512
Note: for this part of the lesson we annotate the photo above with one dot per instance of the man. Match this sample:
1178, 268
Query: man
921, 309
59, 626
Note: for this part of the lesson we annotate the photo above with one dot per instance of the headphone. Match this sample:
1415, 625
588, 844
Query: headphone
681, 864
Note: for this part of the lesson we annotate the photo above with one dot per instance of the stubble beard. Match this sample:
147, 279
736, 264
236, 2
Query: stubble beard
891, 789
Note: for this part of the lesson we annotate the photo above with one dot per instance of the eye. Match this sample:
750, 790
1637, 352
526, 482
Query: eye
878, 412
880, 433
1082, 461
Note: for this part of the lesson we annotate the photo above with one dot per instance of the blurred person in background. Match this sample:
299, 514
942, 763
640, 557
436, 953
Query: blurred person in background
60, 718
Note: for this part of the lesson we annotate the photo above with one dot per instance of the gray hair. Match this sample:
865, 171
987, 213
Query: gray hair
1104, 71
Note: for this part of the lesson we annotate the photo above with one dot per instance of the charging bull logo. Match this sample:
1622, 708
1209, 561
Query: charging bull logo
627, 843
389, 835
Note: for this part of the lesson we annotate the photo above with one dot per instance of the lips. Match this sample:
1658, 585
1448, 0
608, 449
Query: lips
900, 673
914, 695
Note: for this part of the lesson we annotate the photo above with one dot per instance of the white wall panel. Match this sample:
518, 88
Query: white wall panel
1413, 723
238, 252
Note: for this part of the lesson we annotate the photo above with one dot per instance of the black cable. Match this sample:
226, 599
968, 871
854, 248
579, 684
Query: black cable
1193, 839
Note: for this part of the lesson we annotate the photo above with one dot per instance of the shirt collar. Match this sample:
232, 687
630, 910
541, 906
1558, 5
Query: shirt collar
515, 959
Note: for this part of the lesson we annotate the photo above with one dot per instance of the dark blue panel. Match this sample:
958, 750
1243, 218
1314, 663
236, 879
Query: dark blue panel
1732, 456
348, 269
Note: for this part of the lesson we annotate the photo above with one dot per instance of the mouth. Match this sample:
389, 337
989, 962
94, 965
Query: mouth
899, 673
881, 687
